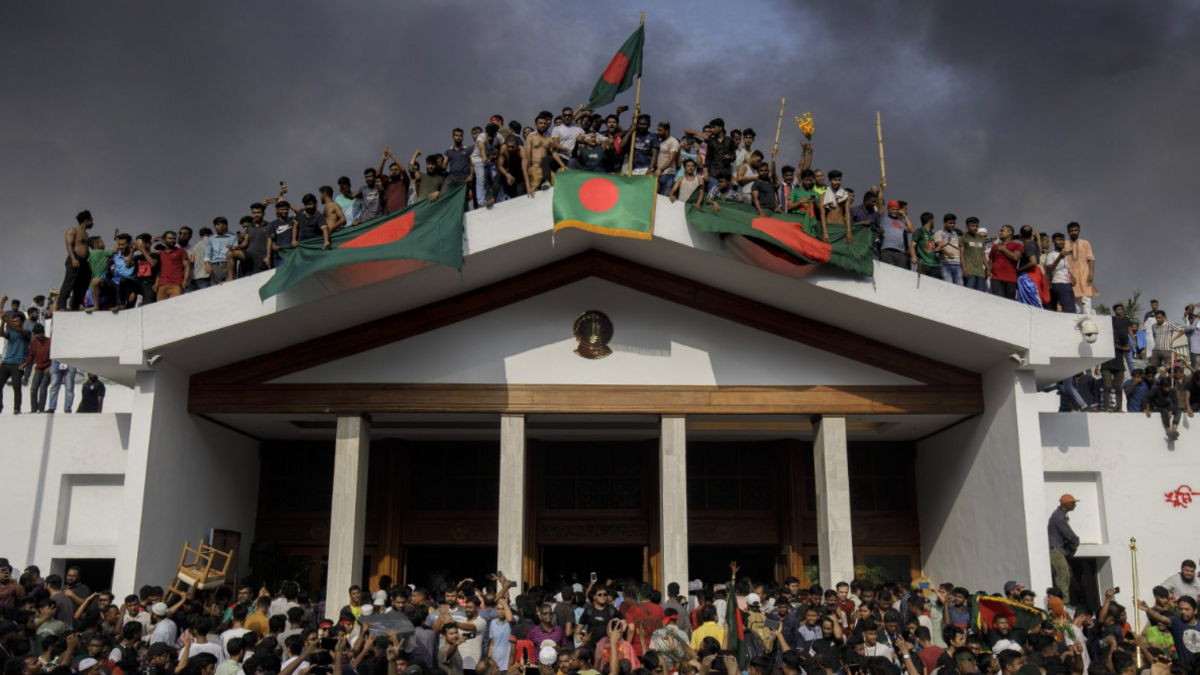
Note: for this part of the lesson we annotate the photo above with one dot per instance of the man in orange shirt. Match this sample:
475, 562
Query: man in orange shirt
257, 621
1083, 269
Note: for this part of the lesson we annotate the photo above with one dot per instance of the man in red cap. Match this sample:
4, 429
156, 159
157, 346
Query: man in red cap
894, 228
1063, 544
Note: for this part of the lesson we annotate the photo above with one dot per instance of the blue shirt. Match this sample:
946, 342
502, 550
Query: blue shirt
1135, 399
216, 246
123, 266
1193, 336
18, 346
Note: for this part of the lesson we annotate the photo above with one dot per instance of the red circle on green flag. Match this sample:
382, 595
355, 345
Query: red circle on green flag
615, 72
598, 194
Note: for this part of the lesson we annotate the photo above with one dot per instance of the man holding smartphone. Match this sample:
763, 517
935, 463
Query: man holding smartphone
594, 622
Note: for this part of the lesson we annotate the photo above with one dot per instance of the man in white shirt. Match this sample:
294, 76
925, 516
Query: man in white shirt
200, 629
871, 645
1062, 292
1183, 583
238, 629
668, 155
564, 136
165, 630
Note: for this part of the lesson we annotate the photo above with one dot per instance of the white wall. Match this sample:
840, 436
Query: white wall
979, 492
117, 398
185, 477
1136, 469
62, 476
654, 342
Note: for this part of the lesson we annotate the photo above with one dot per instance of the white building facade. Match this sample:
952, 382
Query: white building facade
396, 418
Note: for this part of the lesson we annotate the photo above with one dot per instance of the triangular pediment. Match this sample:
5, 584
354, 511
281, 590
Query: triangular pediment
654, 342
677, 345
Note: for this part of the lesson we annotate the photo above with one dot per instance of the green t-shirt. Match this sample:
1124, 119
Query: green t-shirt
923, 241
972, 255
98, 261
798, 195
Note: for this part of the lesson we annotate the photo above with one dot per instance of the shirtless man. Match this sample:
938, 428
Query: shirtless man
512, 167
537, 148
79, 274
335, 219
835, 205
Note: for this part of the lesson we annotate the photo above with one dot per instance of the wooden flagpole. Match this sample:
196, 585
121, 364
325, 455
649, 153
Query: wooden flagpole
879, 134
778, 126
637, 110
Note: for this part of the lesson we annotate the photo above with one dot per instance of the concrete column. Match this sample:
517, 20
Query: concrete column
672, 476
348, 513
834, 544
510, 541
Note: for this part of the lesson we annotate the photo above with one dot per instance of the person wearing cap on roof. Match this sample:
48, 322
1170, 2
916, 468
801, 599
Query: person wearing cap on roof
894, 229
1063, 544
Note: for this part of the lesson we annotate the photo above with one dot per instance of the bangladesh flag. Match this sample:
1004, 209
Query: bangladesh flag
735, 631
797, 235
619, 206
427, 230
985, 609
621, 71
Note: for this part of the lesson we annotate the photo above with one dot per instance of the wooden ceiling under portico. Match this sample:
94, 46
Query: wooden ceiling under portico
243, 387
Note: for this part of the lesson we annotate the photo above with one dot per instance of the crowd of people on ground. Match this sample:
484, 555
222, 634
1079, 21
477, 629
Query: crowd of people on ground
740, 626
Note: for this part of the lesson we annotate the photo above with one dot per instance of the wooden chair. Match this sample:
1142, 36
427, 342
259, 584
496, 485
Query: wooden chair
206, 570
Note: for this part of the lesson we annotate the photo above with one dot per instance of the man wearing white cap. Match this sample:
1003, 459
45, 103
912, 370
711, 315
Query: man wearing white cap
86, 665
165, 630
694, 588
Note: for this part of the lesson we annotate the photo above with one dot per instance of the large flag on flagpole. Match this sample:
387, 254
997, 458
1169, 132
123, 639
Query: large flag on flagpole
605, 203
621, 72
427, 230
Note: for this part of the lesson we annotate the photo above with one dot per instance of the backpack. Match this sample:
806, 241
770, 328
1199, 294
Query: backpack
756, 625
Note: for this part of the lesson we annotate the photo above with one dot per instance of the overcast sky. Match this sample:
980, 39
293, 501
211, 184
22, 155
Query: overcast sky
159, 115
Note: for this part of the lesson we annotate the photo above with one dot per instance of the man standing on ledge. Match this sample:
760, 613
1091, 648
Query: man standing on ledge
1063, 544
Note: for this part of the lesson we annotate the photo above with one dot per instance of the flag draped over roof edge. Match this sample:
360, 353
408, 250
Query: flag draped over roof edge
427, 230
619, 206
621, 72
795, 234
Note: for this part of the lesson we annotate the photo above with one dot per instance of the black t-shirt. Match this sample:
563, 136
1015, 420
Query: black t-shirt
720, 155
596, 621
310, 226
767, 198
1121, 325
258, 239
145, 271
1031, 251
93, 391
282, 232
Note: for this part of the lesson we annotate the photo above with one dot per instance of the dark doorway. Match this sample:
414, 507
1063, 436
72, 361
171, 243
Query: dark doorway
575, 564
95, 573
1085, 581
711, 563
429, 566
